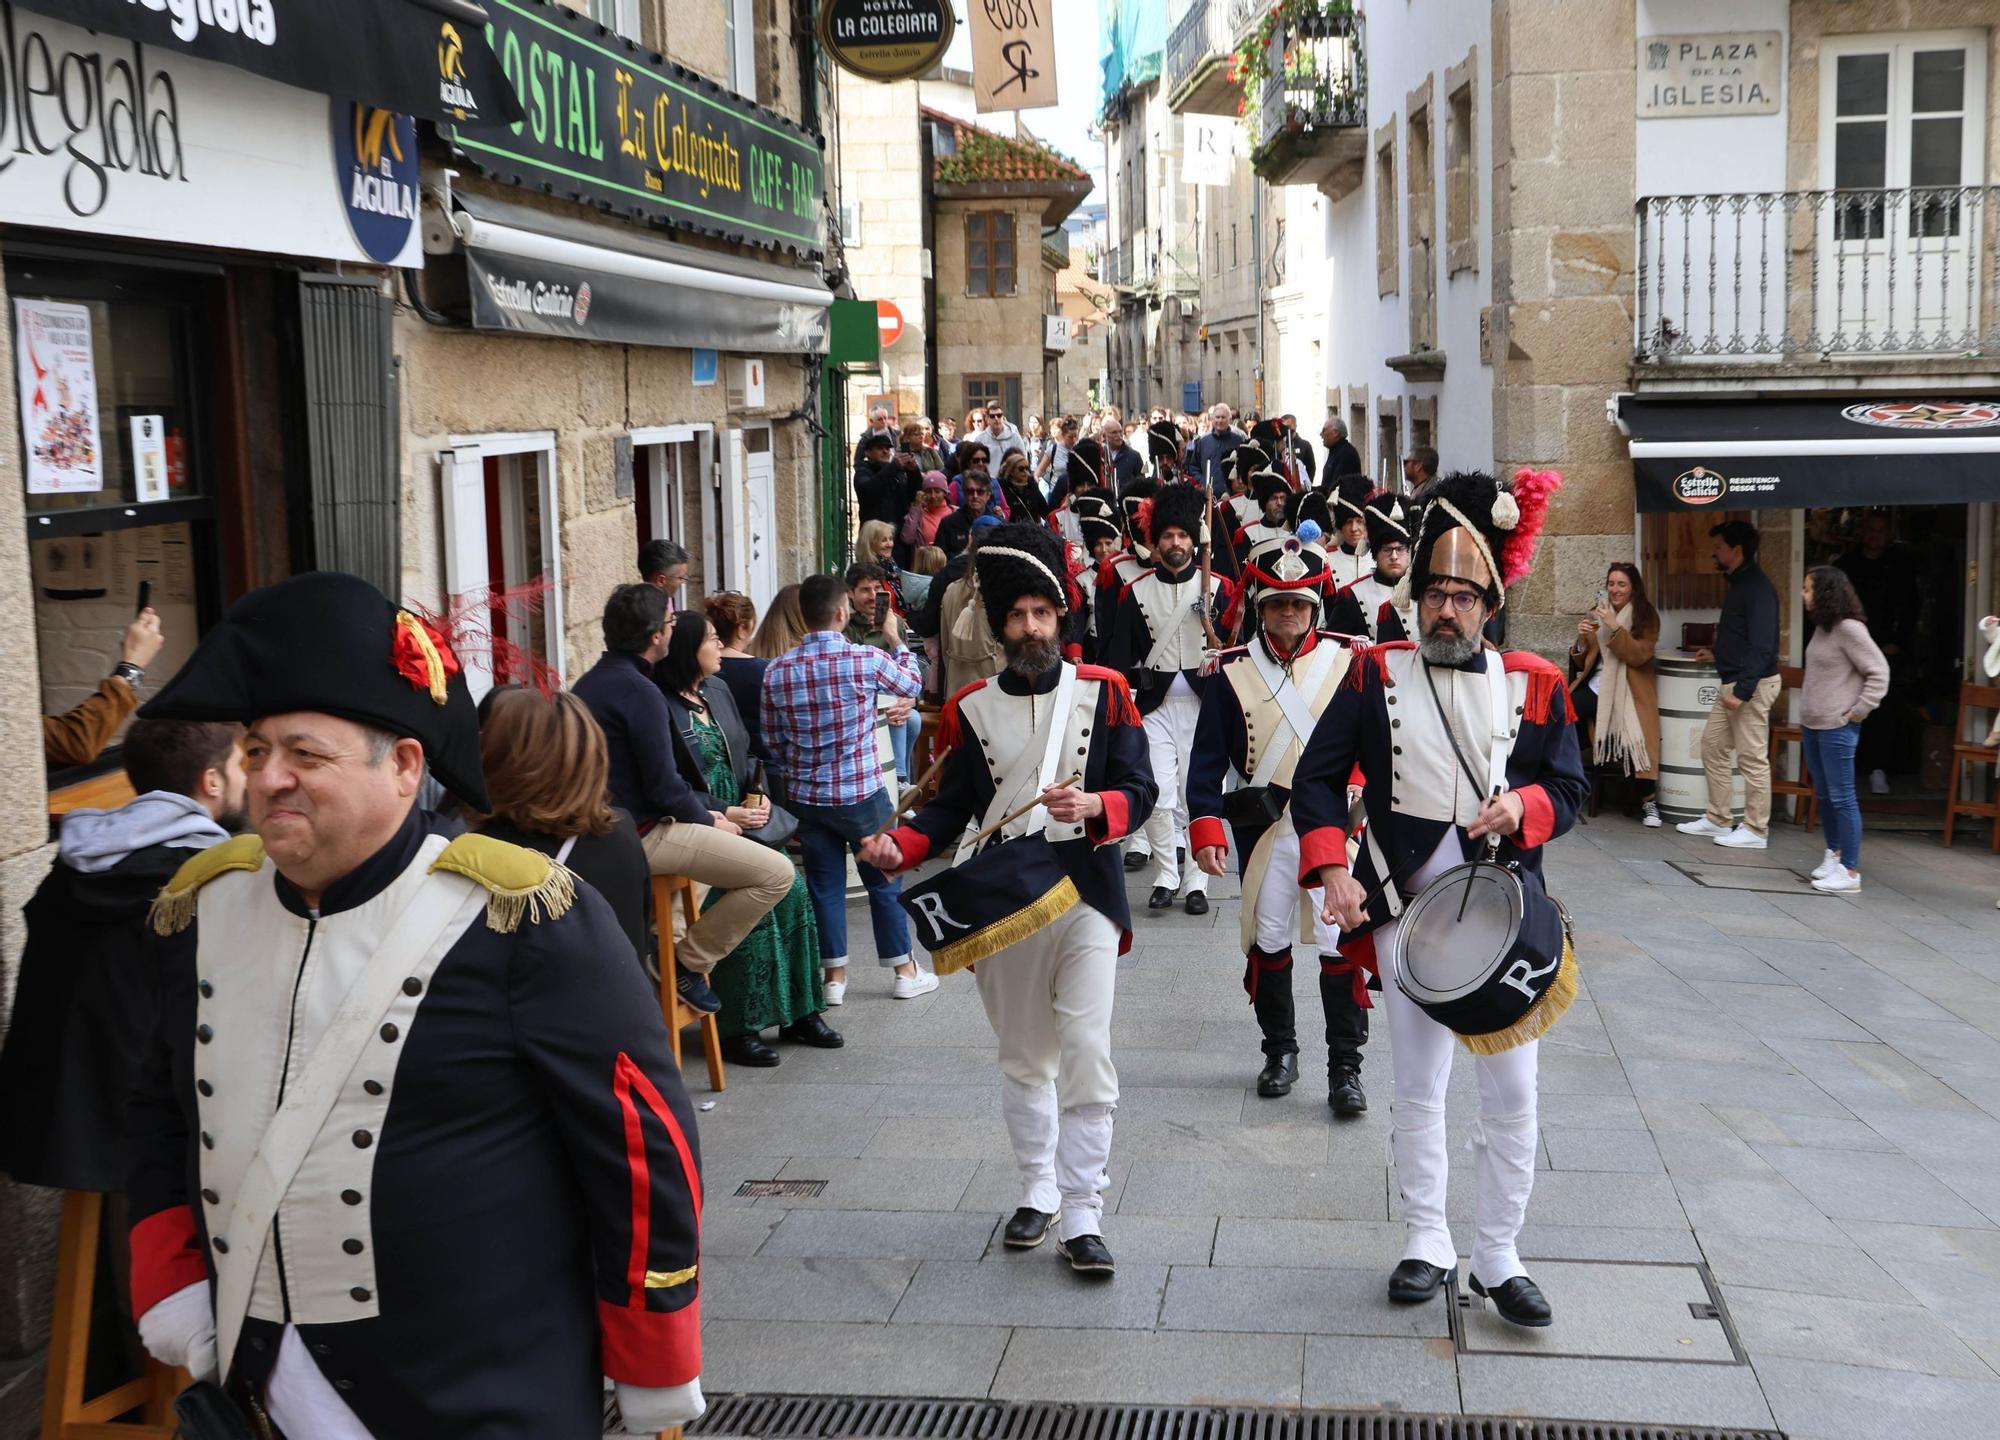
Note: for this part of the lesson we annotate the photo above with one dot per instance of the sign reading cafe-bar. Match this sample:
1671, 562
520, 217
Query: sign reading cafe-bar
607, 123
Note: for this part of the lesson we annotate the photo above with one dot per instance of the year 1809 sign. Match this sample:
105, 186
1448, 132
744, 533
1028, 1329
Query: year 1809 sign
607, 123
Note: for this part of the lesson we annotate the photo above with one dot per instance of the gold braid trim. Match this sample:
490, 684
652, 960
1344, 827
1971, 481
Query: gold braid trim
521, 884
173, 909
433, 662
668, 1279
1555, 1002
1001, 933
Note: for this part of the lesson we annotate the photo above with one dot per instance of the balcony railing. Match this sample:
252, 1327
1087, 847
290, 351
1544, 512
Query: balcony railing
1198, 54
1810, 274
1313, 114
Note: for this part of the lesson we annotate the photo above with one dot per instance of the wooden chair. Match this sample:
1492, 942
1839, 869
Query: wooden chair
1806, 810
1966, 752
66, 1413
678, 1015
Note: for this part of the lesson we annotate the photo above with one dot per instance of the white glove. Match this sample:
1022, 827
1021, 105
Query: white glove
648, 1412
180, 1331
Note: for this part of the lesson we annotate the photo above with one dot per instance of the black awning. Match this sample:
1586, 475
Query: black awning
424, 58
1781, 452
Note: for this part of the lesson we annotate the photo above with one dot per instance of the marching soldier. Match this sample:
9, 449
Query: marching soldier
413, 1154
1273, 497
1367, 606
1429, 724
1347, 549
1159, 633
1256, 716
1048, 995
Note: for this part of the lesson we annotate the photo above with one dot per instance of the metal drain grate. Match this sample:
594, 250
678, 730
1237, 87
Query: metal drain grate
770, 1189
815, 1417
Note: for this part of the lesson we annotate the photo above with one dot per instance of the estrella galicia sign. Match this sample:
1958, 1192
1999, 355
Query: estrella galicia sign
375, 165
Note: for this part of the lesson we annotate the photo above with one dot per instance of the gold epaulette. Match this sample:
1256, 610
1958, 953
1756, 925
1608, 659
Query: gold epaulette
521, 883
173, 908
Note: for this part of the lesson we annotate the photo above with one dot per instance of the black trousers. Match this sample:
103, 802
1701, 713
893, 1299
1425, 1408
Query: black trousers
1269, 980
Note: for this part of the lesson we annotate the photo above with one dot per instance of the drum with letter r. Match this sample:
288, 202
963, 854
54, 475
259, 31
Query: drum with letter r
1688, 688
988, 901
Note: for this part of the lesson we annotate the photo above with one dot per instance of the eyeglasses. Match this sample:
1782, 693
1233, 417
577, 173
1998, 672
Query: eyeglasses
1436, 598
1384, 552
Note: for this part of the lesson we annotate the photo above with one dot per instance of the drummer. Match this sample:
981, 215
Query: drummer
1256, 715
1430, 800
1048, 996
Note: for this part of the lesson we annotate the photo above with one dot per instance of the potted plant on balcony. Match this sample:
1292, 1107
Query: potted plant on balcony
1284, 21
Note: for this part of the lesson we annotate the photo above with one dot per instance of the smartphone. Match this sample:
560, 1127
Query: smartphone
145, 596
1603, 598
881, 610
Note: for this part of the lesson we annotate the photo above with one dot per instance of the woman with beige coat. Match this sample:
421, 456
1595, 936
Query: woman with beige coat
1612, 683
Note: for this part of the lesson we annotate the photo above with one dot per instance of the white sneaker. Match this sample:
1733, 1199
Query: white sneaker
1649, 814
836, 992
909, 987
1827, 865
1701, 825
1878, 783
1842, 882
1742, 838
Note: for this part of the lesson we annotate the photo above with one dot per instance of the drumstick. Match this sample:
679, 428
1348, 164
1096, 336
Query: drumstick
915, 790
1076, 777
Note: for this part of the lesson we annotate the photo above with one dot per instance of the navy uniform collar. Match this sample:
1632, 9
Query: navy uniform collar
372, 876
1042, 684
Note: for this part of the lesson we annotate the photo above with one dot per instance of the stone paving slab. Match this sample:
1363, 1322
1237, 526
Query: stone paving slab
1294, 1301
1352, 1372
795, 1357
1152, 1368
1635, 1391
1812, 1400
1849, 1332
1031, 1287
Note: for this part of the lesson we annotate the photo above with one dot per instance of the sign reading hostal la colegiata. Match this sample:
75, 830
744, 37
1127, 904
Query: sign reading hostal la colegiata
609, 124
1733, 72
886, 39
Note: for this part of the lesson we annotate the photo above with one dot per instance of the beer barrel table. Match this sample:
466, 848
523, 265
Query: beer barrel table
1687, 688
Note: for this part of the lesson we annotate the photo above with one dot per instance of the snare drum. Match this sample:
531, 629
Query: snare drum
988, 901
1486, 952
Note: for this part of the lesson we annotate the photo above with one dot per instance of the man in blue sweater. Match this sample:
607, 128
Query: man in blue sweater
683, 837
1746, 657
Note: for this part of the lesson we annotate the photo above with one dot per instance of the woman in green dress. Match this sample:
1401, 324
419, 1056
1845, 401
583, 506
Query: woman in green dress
773, 977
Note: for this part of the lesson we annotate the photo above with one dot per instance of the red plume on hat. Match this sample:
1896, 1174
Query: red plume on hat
1530, 493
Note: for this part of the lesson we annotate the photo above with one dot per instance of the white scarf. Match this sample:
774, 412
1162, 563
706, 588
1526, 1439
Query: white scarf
1620, 735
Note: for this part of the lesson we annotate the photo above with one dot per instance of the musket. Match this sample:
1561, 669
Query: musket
1203, 604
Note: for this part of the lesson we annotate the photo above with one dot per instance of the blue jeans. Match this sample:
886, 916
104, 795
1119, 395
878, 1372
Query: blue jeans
901, 738
827, 833
1830, 756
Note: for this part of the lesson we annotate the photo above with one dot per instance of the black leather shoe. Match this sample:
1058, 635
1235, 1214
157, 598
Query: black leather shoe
749, 1050
695, 993
1162, 899
1415, 1281
1345, 1095
1087, 1255
1196, 903
1279, 1075
1026, 1227
1519, 1302
1137, 860
812, 1030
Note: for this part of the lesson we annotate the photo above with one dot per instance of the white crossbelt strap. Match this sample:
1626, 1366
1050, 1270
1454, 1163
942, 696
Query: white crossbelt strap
289, 1137
1298, 715
1503, 729
1044, 777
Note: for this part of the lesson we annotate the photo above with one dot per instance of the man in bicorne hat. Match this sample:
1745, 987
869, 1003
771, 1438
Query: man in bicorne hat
1425, 722
413, 1156
1100, 531
1365, 608
1256, 716
1273, 497
1347, 547
1048, 996
1157, 636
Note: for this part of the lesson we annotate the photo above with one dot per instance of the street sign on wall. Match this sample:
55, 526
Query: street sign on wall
889, 319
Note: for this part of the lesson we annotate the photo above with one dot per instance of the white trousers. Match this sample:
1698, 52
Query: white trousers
1169, 742
1503, 1136
1048, 999
1278, 899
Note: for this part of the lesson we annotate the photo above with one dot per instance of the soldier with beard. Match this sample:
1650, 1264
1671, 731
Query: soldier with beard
1365, 607
1273, 497
1048, 996
1420, 722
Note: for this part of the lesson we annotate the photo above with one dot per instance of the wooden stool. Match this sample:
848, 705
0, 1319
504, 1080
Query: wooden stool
66, 1414
676, 1014
1792, 678
1966, 752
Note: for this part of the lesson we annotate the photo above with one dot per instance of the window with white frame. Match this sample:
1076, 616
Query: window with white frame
739, 38
619, 15
850, 224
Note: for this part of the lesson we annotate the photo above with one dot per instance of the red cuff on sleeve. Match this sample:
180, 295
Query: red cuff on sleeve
1205, 831
1538, 817
1073, 653
1319, 848
166, 1257
1116, 821
651, 1348
1355, 777
915, 845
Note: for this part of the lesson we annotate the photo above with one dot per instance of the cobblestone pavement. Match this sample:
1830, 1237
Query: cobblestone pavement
1782, 1102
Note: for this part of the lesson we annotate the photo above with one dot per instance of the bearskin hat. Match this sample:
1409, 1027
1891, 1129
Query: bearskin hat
1015, 560
1390, 520
1086, 464
1178, 506
1163, 440
1310, 505
1476, 529
1266, 483
1097, 515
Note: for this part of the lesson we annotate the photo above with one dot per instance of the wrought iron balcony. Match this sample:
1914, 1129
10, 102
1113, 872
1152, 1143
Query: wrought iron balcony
1818, 274
1199, 51
1313, 113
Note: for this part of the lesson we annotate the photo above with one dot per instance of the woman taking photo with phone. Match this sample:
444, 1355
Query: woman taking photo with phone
1612, 683
1846, 677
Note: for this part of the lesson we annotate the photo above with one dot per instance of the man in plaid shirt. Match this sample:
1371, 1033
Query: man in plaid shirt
819, 712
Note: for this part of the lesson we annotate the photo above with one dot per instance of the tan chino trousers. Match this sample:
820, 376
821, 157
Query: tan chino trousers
1745, 733
755, 876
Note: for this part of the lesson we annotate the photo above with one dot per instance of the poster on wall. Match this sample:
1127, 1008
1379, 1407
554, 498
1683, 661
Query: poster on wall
149, 457
63, 450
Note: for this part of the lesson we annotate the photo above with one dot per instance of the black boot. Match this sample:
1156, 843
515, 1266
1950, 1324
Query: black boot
1267, 976
1279, 1075
1346, 1033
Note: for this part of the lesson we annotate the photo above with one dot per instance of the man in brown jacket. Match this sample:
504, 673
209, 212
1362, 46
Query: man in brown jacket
79, 736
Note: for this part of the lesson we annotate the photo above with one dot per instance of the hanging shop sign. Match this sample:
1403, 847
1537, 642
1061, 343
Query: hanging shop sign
888, 39
413, 57
113, 137
1013, 54
612, 125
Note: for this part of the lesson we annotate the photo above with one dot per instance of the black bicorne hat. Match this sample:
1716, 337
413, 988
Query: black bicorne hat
1249, 459
1269, 434
1312, 505
1097, 515
1391, 521
1163, 440
333, 643
1347, 498
1019, 559
1266, 483
1090, 456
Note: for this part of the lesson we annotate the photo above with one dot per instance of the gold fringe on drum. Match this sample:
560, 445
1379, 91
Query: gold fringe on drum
991, 939
1555, 1002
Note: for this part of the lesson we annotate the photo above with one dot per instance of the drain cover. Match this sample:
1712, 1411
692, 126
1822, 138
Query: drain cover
1765, 879
1611, 1311
772, 1189
809, 1417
